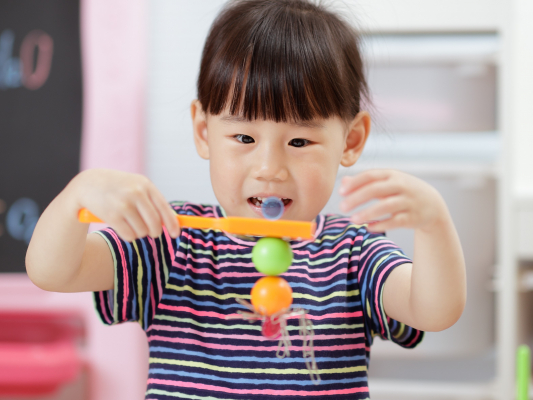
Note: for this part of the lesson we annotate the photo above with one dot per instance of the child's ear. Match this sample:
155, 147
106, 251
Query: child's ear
199, 127
358, 131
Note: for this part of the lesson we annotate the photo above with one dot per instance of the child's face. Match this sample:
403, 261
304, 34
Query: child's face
253, 160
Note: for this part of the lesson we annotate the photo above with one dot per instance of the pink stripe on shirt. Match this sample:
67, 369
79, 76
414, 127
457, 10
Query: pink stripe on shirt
274, 347
254, 337
213, 314
103, 306
270, 392
157, 267
124, 272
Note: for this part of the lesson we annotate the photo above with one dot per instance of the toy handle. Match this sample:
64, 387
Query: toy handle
189, 221
88, 217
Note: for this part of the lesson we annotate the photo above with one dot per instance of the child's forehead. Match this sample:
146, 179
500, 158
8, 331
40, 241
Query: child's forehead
316, 123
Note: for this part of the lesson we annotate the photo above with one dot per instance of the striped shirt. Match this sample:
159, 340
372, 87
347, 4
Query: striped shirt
182, 290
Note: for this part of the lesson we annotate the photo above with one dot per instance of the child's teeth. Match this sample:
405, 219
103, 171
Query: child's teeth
257, 201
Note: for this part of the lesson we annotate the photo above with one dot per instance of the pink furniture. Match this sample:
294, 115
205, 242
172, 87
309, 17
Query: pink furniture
38, 351
116, 358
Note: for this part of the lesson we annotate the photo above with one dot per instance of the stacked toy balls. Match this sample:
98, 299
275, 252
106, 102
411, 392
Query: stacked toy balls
272, 257
272, 293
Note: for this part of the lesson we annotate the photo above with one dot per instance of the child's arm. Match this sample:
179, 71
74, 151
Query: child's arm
62, 257
429, 294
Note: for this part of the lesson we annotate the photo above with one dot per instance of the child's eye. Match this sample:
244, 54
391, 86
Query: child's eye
244, 139
299, 142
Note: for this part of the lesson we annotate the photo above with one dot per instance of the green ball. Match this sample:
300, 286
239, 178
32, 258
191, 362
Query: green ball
272, 256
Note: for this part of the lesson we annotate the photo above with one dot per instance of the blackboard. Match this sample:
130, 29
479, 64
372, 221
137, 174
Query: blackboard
40, 115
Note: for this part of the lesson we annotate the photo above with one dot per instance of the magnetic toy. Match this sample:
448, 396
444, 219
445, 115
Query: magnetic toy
299, 230
271, 296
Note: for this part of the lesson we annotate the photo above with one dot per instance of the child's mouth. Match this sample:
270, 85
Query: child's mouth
256, 202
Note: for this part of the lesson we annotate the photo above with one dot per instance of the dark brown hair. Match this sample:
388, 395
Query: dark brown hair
281, 60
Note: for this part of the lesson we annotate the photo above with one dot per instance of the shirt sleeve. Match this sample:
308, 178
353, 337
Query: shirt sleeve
377, 258
141, 272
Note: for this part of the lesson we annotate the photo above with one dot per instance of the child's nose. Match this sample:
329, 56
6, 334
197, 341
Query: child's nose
270, 166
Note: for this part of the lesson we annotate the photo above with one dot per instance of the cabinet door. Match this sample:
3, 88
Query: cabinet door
427, 15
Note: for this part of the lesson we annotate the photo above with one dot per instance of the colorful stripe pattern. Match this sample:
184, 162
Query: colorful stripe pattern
181, 292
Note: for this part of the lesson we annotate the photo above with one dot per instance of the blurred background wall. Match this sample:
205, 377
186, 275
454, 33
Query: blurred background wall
72, 96
451, 104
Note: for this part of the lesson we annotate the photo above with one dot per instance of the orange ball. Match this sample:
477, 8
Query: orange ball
271, 294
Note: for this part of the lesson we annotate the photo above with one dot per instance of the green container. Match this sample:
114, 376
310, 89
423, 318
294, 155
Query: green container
523, 372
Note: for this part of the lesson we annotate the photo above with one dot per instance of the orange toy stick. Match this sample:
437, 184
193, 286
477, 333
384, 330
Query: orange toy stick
300, 230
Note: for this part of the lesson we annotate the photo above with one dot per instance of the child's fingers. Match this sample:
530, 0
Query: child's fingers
134, 219
351, 183
167, 214
399, 220
124, 230
389, 206
375, 190
150, 217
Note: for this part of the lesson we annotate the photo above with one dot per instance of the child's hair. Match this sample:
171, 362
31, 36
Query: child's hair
281, 60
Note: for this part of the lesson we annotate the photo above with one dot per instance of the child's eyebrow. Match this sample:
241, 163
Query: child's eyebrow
304, 124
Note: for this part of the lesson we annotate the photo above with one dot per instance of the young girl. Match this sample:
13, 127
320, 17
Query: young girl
278, 110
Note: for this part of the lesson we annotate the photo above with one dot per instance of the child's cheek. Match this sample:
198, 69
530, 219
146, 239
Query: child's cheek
317, 183
226, 182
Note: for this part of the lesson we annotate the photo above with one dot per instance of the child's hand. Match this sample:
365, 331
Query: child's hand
129, 203
404, 201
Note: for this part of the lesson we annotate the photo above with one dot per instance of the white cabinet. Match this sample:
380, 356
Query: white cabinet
432, 83
512, 173
494, 220
428, 15
524, 205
